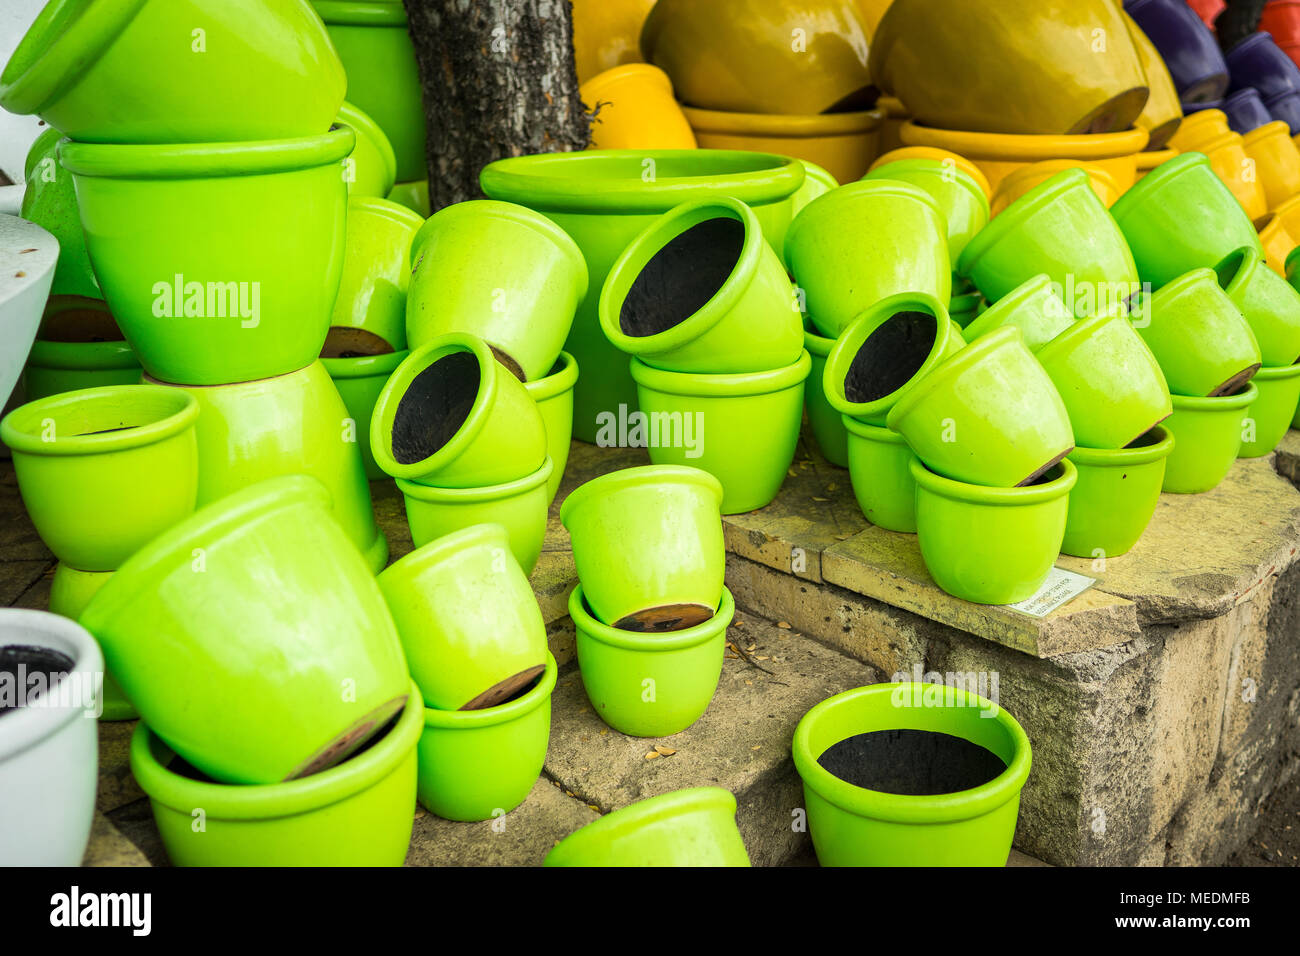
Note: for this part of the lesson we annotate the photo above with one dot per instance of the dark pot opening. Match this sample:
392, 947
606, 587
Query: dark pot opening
345, 342
915, 763
507, 690
19, 663
1113, 116
1236, 384
663, 618
891, 356
81, 324
1146, 439
856, 102
1049, 473
435, 407
510, 364
682, 277
1227, 269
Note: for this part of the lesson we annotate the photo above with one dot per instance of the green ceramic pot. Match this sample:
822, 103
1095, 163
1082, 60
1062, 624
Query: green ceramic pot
480, 764
991, 545
373, 166
648, 545
80, 67
963, 203
359, 813
70, 592
827, 426
879, 467
650, 685
742, 429
1108, 379
554, 397
104, 470
1270, 415
1269, 303
264, 596
376, 270
988, 416
817, 182
293, 424
1180, 217
965, 309
1034, 307
863, 242
1208, 435
604, 199
375, 47
701, 291
1112, 502
468, 619
57, 367
452, 416
694, 827
1061, 229
854, 826
1198, 336
413, 195
248, 298
499, 271
50, 201
359, 381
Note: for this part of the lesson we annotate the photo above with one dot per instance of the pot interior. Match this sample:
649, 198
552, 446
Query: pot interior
1147, 439
891, 356
346, 342
81, 323
662, 618
508, 689
27, 667
682, 277
1231, 265
1236, 383
435, 406
914, 763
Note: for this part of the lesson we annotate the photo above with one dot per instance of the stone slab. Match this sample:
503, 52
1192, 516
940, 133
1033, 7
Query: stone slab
108, 846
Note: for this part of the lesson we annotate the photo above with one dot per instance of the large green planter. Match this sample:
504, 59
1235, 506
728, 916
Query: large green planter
1180, 217
817, 182
1269, 303
880, 470
376, 272
247, 297
499, 271
133, 71
479, 764
991, 545
359, 381
57, 367
1061, 229
863, 242
70, 592
264, 598
700, 290
854, 826
1208, 436
50, 201
554, 397
650, 685
988, 416
1271, 413
1034, 307
694, 827
962, 201
1118, 488
452, 416
604, 199
648, 547
827, 424
359, 813
103, 471
742, 429
372, 170
414, 195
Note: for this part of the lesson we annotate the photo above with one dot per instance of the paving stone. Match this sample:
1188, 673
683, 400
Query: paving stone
108, 846
18, 538
1286, 458
135, 822
117, 786
37, 595
17, 578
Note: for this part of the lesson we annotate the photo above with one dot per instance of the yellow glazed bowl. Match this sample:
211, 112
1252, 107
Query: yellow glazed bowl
1027, 177
1230, 163
1199, 128
939, 155
1277, 161
891, 130
1280, 234
1163, 113
634, 109
1148, 160
606, 34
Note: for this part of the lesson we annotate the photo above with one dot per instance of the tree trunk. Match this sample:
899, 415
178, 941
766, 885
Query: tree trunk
499, 80
1238, 21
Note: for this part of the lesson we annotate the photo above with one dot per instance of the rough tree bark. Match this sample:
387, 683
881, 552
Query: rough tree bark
499, 80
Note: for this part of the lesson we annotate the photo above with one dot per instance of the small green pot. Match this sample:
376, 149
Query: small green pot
1060, 229
70, 592
248, 300
988, 416
1272, 412
1116, 495
359, 813
817, 182
743, 428
879, 467
499, 271
452, 416
650, 685
1180, 217
414, 195
1034, 307
964, 206
1108, 379
854, 826
700, 290
991, 545
648, 545
57, 367
554, 397
1198, 336
863, 242
694, 827
1208, 436
80, 68
373, 167
50, 201
479, 764
264, 596
827, 424
102, 471
376, 269
1269, 303
359, 381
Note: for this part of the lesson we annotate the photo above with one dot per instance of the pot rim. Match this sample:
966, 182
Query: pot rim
82, 356
734, 385
1230, 138
271, 801
363, 124
465, 496
816, 343
364, 366
1277, 373
1293, 257
1017, 147
1267, 131
784, 125
1144, 190
1152, 158
939, 155
602, 81
635, 477
669, 805
1017, 296
876, 433
828, 203
361, 13
557, 383
932, 167
602, 633
1217, 403
989, 495
1250, 262
974, 352
500, 714
1017, 212
1126, 457
388, 210
22, 428
902, 808
485, 534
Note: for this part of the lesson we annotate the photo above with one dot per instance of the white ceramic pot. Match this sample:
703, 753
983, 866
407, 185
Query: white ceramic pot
27, 257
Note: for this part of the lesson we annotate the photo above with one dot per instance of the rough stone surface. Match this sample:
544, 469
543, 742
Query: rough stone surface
117, 786
110, 847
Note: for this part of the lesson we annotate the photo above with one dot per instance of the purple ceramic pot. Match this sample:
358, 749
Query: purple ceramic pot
1190, 108
1258, 62
1246, 111
1285, 108
1187, 45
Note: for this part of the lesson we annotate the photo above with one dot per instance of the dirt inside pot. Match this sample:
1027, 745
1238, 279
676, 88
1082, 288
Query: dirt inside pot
351, 740
507, 690
666, 617
21, 663
514, 367
91, 322
346, 342
1235, 384
892, 354
916, 763
1145, 440
435, 407
682, 277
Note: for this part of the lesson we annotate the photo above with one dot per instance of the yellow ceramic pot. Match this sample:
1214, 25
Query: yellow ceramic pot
634, 109
1016, 66
1149, 159
1277, 161
606, 34
1280, 234
1199, 128
1230, 163
1027, 177
1163, 113
891, 130
841, 143
872, 11
795, 57
940, 155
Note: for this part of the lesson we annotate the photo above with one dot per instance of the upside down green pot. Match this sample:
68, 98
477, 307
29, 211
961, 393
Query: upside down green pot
963, 203
359, 380
854, 826
376, 269
102, 471
479, 764
372, 167
603, 199
1269, 303
359, 813
827, 424
70, 592
991, 545
742, 429
252, 636
1112, 502
50, 201
880, 470
56, 367
694, 827
650, 685
1270, 415
1034, 307
1208, 435
414, 195
700, 290
554, 397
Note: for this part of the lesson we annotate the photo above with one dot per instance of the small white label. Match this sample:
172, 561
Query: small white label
1061, 587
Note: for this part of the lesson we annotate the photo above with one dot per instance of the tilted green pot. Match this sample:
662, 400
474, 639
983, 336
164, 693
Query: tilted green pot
1112, 502
373, 165
1208, 436
1269, 303
414, 195
1269, 416
1034, 307
70, 592
56, 367
376, 270
880, 469
50, 201
963, 203
827, 424
359, 381
554, 397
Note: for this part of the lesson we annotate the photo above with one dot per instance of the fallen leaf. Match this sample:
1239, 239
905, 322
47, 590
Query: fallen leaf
652, 755
783, 625
762, 657
757, 747
665, 751
815, 498
592, 806
749, 683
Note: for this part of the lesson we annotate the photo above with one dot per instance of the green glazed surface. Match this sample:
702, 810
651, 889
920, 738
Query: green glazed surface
1207, 438
964, 206
376, 269
414, 195
359, 381
1269, 303
879, 467
1033, 307
57, 367
50, 201
1272, 412
374, 165
1112, 502
827, 424
70, 592
554, 397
